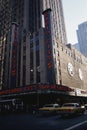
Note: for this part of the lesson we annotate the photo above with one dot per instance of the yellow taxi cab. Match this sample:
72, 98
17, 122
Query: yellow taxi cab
48, 109
70, 108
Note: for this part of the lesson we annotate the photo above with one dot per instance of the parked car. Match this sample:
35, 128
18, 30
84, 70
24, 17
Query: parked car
48, 109
85, 106
70, 108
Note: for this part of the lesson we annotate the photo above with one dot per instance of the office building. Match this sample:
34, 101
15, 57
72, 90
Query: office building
58, 25
82, 38
27, 15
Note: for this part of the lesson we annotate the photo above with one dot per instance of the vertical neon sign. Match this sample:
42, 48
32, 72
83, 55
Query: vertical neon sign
48, 45
14, 43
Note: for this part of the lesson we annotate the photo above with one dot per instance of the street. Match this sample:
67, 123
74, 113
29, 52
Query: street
26, 121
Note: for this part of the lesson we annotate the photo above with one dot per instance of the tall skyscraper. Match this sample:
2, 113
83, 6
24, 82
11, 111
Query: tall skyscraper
82, 38
20, 20
27, 14
58, 25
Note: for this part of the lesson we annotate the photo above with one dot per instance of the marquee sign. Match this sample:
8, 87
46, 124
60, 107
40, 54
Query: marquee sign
35, 88
43, 88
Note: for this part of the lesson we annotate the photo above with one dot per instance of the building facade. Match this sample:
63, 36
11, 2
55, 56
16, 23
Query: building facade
25, 13
28, 15
35, 58
58, 25
76, 45
73, 69
70, 72
82, 38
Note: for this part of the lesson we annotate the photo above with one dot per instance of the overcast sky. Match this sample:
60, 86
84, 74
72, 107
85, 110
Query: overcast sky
75, 13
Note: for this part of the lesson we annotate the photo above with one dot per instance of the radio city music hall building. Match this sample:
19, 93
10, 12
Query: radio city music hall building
38, 66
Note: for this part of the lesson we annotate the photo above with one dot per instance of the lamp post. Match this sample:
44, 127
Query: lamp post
38, 90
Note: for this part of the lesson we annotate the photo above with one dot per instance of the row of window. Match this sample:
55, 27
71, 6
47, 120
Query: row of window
69, 53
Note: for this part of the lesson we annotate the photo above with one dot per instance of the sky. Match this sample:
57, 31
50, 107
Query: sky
75, 13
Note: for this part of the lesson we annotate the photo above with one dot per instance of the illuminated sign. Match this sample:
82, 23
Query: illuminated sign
14, 42
35, 88
48, 46
48, 38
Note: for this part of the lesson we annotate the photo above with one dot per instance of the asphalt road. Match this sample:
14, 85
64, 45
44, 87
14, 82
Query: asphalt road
36, 122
